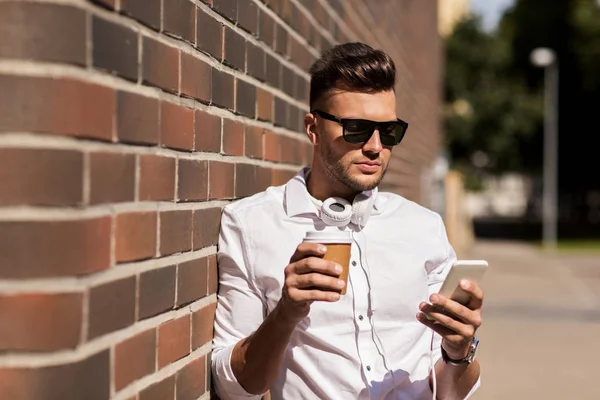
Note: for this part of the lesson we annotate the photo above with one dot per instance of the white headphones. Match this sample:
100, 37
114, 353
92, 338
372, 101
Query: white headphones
337, 211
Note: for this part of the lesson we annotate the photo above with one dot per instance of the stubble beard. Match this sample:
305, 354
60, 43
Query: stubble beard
339, 172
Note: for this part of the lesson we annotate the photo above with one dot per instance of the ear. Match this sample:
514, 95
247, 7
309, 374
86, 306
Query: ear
310, 124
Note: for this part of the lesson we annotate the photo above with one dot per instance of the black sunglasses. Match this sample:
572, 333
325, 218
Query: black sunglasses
359, 131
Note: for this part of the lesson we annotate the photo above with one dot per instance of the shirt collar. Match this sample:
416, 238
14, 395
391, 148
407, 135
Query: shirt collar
297, 199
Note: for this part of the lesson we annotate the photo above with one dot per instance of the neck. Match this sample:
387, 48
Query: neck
321, 186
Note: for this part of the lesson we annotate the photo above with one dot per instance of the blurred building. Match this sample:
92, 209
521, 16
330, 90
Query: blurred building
450, 13
125, 127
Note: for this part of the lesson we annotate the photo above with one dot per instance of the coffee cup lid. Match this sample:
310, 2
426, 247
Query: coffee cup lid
328, 237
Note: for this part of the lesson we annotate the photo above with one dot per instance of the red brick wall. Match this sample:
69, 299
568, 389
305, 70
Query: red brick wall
125, 127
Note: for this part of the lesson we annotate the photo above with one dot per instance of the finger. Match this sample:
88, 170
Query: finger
475, 292
318, 281
307, 249
300, 295
314, 264
440, 329
465, 314
447, 320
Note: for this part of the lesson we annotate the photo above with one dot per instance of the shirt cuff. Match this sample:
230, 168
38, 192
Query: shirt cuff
226, 384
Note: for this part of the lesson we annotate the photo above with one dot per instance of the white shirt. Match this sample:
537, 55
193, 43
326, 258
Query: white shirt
369, 344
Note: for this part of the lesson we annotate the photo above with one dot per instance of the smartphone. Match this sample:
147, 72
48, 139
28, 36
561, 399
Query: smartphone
471, 270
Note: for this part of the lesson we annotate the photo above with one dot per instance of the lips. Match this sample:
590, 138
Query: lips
369, 167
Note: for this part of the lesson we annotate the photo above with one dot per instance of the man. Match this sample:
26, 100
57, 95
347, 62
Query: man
281, 324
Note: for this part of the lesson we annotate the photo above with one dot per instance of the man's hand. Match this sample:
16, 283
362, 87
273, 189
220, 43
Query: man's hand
308, 278
453, 321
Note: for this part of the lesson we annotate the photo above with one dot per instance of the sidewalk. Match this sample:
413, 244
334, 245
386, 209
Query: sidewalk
541, 333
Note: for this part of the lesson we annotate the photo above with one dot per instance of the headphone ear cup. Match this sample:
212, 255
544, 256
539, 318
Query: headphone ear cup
336, 211
361, 209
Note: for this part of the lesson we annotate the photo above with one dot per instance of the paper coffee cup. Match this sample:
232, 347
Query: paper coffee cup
338, 249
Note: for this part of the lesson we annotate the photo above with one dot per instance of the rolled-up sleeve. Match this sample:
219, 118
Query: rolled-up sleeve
239, 306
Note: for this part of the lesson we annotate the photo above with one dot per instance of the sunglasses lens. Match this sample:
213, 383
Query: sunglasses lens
391, 134
360, 131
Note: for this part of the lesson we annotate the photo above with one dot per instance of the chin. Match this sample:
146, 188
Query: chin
364, 181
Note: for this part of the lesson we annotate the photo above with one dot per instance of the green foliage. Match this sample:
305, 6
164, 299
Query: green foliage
487, 110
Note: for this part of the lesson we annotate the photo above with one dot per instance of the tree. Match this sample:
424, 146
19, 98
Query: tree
491, 116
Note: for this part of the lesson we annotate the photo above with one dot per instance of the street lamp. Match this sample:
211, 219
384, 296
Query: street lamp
546, 58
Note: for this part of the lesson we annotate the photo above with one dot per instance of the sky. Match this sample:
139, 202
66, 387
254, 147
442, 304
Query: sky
490, 10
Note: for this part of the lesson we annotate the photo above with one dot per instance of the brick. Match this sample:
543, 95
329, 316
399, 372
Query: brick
196, 76
41, 177
281, 177
295, 118
221, 180
192, 281
156, 291
163, 390
290, 150
30, 314
191, 379
235, 50
281, 111
193, 180
112, 177
160, 65
255, 61
227, 8
267, 29
264, 107
209, 34
287, 78
233, 138
272, 146
179, 19
86, 379
300, 88
213, 275
245, 177
273, 71
115, 48
112, 307
58, 106
145, 11
37, 249
202, 325
222, 89
208, 132
248, 16
176, 126
135, 236
173, 341
134, 358
245, 98
264, 178
281, 39
42, 32
137, 118
253, 142
157, 178
299, 21
300, 54
207, 223
175, 232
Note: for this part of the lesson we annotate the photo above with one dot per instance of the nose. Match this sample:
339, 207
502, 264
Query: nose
373, 145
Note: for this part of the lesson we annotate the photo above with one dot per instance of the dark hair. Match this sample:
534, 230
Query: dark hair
355, 66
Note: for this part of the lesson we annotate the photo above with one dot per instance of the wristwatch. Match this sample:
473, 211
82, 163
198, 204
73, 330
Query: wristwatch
467, 360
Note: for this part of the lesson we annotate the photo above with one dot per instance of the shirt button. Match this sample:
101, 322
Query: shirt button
368, 367
354, 263
360, 317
